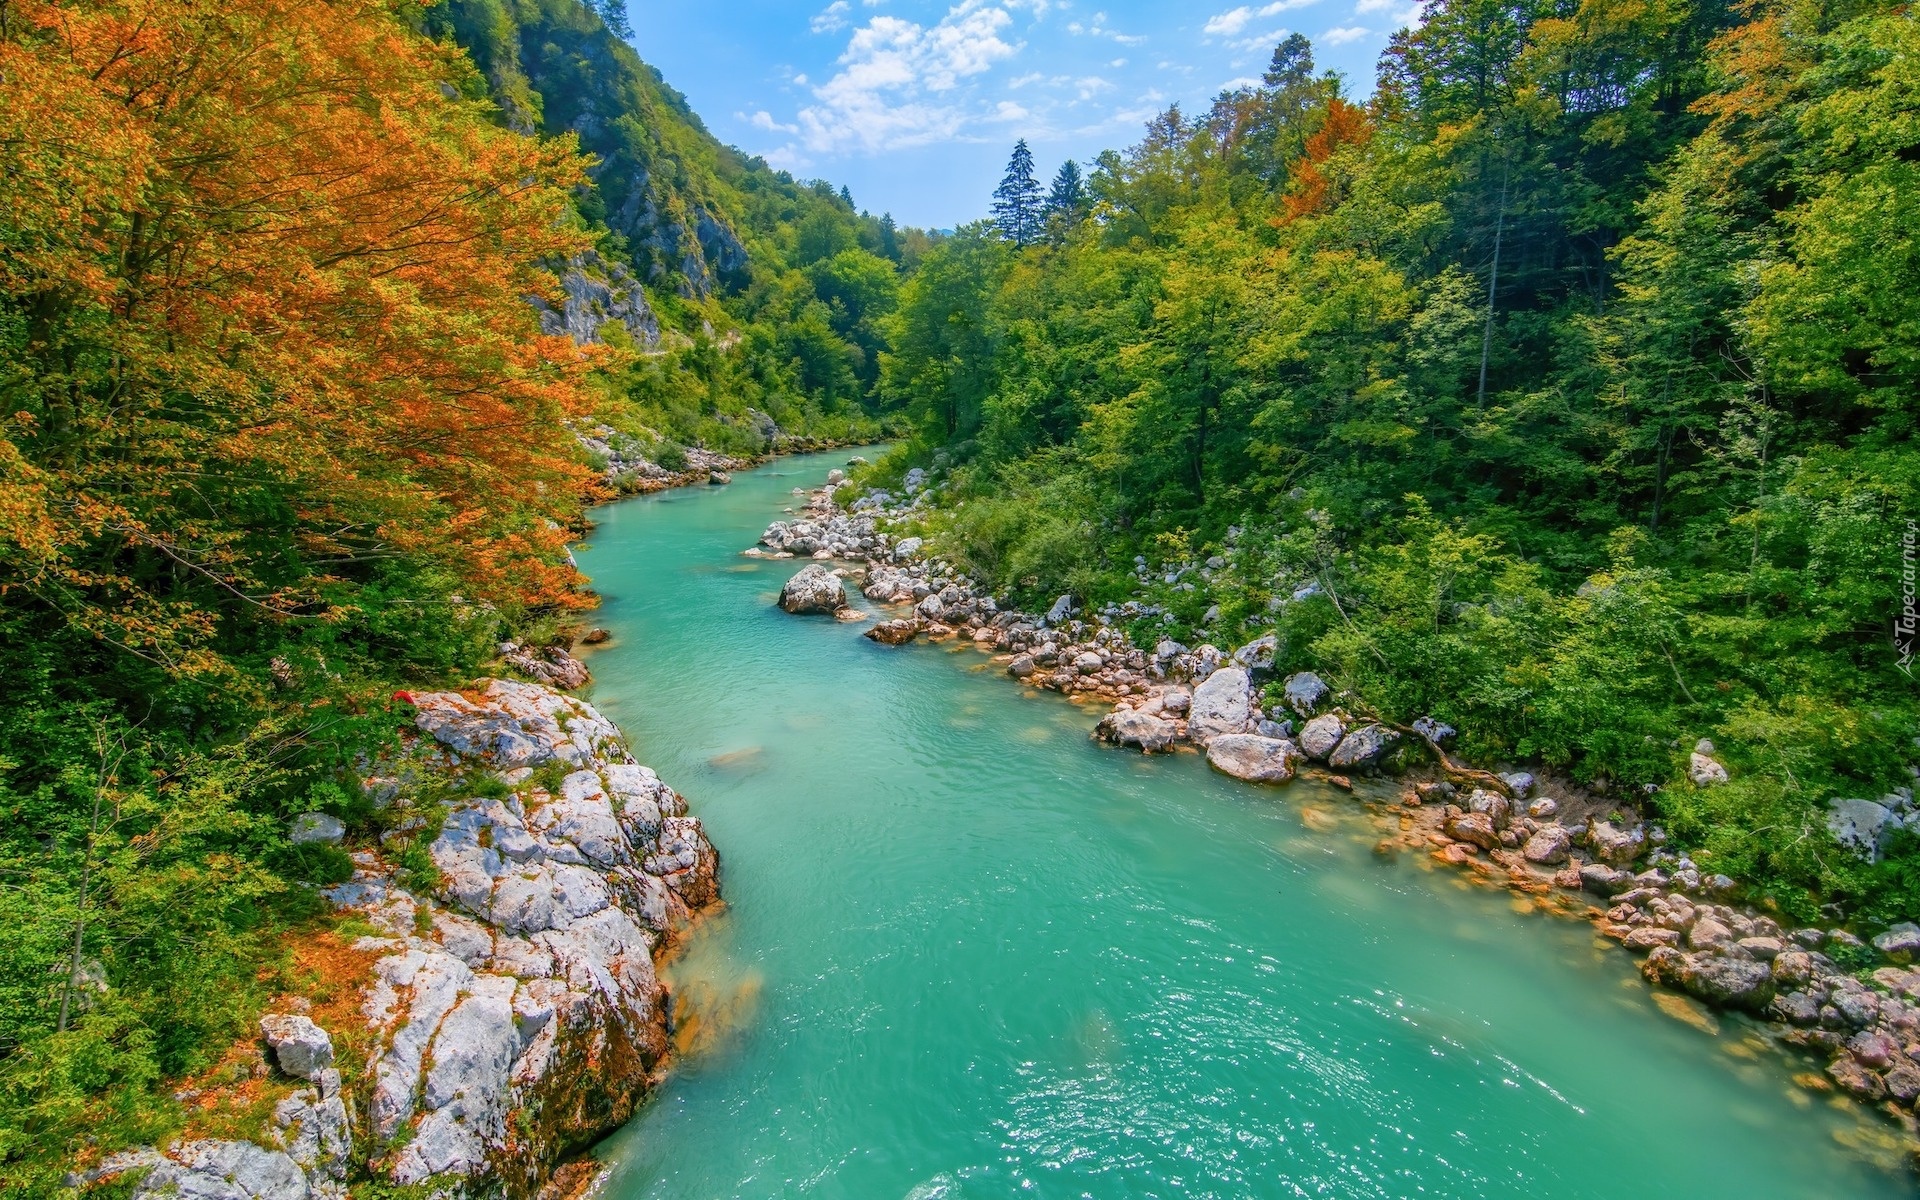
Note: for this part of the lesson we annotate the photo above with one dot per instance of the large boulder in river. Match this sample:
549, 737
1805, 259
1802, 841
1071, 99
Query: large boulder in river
1126, 727
1252, 758
814, 590
897, 632
1223, 703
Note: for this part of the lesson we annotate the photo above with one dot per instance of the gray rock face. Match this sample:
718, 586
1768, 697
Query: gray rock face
1363, 747
552, 666
1061, 610
221, 1170
1252, 758
315, 827
1863, 826
540, 952
301, 1048
1901, 941
814, 590
597, 293
1321, 736
1305, 692
1223, 703
1127, 727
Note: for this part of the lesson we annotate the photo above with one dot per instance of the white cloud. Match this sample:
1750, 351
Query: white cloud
897, 80
1233, 21
833, 17
1345, 34
764, 120
1399, 12
1097, 27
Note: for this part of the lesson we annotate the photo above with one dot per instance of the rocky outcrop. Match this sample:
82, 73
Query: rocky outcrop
552, 666
597, 293
816, 589
513, 1013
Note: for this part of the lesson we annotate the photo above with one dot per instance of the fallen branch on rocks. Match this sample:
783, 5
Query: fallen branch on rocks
1455, 772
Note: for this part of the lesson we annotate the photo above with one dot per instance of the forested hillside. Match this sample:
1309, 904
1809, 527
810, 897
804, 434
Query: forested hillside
1564, 389
301, 306
760, 293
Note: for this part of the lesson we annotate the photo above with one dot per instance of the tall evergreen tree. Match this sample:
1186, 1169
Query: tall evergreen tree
1017, 201
889, 237
1069, 195
614, 13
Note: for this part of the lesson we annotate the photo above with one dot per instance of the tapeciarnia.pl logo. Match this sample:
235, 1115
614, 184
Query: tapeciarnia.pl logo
1908, 621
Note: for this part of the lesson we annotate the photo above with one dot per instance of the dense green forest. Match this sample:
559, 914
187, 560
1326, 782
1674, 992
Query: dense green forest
1564, 389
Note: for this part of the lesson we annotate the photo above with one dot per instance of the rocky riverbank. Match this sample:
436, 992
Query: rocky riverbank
1848, 1005
487, 1005
629, 468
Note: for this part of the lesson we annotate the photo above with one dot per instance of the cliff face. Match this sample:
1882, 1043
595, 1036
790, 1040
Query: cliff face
509, 1013
554, 67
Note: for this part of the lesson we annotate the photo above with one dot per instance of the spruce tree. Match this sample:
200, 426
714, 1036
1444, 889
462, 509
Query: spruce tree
1017, 201
1069, 195
889, 237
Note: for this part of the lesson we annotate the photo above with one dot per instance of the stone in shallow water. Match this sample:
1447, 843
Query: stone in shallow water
1125, 727
1253, 758
814, 590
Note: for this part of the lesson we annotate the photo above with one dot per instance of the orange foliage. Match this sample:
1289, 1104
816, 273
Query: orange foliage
264, 277
1309, 189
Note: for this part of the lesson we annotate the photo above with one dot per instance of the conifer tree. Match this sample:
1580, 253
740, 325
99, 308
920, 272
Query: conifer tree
614, 13
1017, 201
1069, 195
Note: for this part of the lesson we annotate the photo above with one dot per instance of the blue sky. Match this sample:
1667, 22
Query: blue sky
915, 105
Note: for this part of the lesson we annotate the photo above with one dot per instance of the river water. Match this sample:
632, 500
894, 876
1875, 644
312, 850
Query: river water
969, 953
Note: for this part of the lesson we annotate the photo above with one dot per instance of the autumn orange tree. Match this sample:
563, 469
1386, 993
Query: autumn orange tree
264, 288
278, 426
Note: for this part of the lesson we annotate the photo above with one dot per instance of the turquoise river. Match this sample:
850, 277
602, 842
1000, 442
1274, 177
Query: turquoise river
969, 953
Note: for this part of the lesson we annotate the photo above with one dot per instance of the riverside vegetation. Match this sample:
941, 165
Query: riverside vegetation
284, 440
1563, 391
